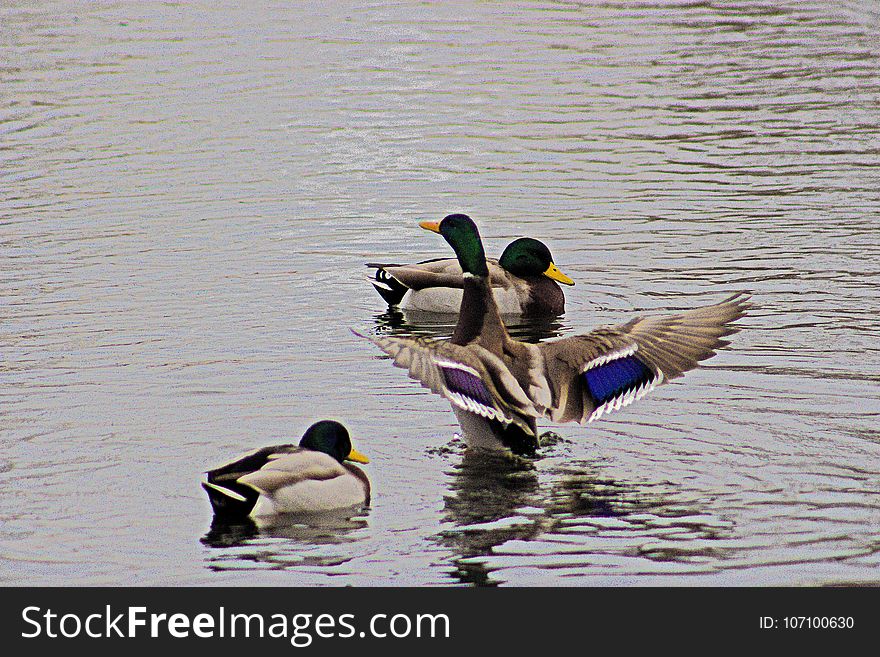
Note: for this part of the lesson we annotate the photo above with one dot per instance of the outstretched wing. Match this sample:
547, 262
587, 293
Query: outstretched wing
469, 376
607, 369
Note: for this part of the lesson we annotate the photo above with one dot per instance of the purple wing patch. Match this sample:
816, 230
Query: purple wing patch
466, 384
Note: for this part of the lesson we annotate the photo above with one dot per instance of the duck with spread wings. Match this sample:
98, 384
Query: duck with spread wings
499, 387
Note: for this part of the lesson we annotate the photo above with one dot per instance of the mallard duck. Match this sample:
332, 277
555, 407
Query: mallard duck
312, 477
498, 386
524, 281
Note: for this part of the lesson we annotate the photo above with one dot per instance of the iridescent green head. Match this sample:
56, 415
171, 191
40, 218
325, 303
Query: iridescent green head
332, 438
464, 238
529, 257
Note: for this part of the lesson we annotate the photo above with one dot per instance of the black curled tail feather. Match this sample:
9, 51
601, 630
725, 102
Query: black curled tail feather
388, 287
231, 500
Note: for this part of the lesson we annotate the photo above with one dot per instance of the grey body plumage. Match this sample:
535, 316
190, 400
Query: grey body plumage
314, 476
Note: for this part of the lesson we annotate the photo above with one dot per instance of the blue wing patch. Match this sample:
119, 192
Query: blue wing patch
615, 378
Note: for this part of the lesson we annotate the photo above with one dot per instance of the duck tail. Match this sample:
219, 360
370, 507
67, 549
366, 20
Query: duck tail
234, 501
388, 287
514, 436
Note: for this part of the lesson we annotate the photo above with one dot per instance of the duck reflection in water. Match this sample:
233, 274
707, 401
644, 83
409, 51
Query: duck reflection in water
283, 541
496, 497
328, 528
486, 490
579, 492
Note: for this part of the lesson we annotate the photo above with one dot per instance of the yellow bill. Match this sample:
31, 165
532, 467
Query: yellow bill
356, 456
556, 274
433, 226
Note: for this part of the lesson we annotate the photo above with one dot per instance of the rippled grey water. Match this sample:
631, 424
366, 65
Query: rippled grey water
190, 192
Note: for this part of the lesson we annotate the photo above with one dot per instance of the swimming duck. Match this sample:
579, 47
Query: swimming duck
312, 477
498, 386
524, 281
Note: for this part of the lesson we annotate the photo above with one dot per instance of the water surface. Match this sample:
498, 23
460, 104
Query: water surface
190, 193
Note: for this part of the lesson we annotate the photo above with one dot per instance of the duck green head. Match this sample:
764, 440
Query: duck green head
332, 438
464, 238
529, 257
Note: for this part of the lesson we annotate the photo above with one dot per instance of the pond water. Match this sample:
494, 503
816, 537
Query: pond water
190, 193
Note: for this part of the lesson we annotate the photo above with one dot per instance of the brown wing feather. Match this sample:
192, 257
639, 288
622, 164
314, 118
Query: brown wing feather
422, 356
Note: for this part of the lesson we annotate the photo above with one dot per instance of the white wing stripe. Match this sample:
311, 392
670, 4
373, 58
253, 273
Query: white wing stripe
472, 406
614, 355
456, 366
